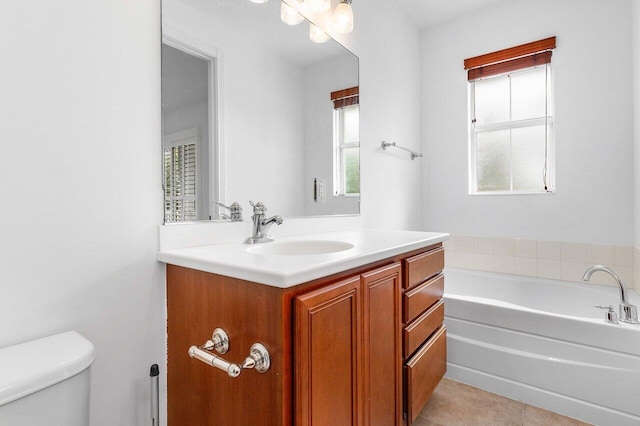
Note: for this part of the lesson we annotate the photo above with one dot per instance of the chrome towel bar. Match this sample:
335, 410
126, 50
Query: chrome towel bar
414, 154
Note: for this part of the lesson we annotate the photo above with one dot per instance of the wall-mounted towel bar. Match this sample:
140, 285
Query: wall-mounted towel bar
414, 154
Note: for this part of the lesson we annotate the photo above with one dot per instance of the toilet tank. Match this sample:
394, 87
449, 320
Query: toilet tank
46, 381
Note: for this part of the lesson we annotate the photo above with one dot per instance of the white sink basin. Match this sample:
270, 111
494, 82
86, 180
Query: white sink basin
300, 248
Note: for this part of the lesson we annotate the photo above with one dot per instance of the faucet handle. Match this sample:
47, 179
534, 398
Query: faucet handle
610, 316
258, 208
235, 210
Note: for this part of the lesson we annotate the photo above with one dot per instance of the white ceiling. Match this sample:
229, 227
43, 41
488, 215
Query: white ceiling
427, 13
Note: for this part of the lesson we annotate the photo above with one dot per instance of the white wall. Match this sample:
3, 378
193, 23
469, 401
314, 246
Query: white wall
593, 131
82, 201
387, 44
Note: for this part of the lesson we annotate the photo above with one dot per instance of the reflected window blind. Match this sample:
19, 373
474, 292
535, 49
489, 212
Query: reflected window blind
179, 179
346, 97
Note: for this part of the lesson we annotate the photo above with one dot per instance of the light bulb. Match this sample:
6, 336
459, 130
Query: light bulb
319, 6
317, 35
289, 15
343, 18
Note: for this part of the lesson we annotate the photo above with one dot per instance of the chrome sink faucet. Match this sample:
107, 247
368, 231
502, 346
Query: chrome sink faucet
628, 312
261, 224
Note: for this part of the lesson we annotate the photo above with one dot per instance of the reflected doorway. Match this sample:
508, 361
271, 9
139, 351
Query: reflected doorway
187, 134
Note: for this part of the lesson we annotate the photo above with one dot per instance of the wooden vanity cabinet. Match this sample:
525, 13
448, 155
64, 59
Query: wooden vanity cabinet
424, 335
336, 345
348, 351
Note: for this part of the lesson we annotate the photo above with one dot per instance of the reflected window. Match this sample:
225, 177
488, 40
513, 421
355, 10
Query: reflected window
179, 159
511, 122
346, 136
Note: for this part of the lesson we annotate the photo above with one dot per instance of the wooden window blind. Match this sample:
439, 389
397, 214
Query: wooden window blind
511, 59
345, 97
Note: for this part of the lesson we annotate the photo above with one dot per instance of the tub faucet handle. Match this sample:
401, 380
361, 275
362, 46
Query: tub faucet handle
610, 316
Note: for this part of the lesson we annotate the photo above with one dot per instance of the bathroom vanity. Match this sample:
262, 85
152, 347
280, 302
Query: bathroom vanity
355, 336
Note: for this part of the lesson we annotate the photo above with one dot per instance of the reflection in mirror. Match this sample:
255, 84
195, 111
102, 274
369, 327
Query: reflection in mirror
254, 110
185, 146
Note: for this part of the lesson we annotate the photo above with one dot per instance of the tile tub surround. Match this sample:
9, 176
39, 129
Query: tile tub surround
559, 260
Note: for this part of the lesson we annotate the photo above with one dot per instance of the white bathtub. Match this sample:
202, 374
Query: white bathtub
542, 342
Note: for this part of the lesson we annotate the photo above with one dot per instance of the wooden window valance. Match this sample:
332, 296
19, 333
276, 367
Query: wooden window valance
345, 97
511, 59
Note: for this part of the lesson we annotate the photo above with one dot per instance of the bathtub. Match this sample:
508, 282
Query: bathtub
541, 342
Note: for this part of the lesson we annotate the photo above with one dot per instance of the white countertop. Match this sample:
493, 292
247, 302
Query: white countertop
234, 260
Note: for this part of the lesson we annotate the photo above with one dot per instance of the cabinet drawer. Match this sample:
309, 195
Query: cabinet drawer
419, 299
418, 331
423, 373
423, 266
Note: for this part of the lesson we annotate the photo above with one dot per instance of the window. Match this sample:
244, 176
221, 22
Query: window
179, 160
346, 136
511, 120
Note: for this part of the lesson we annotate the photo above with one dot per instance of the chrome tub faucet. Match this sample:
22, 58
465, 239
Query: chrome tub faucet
261, 224
628, 312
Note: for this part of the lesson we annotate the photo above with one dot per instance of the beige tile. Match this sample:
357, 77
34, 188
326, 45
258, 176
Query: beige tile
483, 262
573, 271
504, 246
483, 245
551, 269
464, 243
504, 264
456, 404
623, 256
464, 259
627, 275
551, 250
449, 244
450, 258
534, 416
526, 266
421, 421
574, 252
525, 248
599, 254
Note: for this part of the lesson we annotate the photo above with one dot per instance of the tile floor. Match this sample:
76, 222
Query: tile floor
457, 404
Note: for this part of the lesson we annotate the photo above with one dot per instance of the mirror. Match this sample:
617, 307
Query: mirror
248, 114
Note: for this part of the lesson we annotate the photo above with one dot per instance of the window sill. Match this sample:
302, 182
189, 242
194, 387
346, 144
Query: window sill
549, 192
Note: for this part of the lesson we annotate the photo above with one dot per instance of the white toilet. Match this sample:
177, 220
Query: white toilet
46, 381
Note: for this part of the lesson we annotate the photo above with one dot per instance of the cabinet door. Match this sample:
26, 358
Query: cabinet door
327, 355
382, 341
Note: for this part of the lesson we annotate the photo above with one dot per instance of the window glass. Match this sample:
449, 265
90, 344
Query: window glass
528, 94
492, 100
347, 151
493, 152
510, 134
528, 152
350, 124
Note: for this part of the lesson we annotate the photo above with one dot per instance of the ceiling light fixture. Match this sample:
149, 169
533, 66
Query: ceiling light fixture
258, 1
317, 35
343, 18
289, 15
